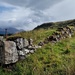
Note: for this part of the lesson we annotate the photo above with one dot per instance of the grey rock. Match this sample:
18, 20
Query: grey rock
70, 35
26, 51
30, 41
40, 43
21, 53
31, 47
31, 51
36, 47
25, 43
19, 43
8, 52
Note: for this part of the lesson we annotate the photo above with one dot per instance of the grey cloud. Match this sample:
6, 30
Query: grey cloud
42, 4
26, 23
37, 10
34, 4
62, 11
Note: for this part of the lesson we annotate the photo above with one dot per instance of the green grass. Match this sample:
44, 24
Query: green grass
51, 59
36, 35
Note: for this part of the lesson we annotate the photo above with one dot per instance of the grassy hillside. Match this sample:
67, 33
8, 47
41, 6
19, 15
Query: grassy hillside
51, 59
56, 24
36, 35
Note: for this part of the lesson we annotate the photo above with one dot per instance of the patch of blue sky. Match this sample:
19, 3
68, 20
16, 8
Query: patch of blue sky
3, 8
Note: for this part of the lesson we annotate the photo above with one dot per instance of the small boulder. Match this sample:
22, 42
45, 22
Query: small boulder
31, 51
8, 52
26, 51
30, 42
40, 44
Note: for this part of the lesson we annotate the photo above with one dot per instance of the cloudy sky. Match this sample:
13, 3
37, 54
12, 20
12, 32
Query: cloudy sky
27, 14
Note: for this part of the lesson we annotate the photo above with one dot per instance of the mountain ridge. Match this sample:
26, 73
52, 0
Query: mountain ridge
10, 30
56, 24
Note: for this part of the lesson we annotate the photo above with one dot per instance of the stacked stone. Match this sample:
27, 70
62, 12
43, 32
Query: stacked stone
24, 47
61, 33
21, 43
15, 49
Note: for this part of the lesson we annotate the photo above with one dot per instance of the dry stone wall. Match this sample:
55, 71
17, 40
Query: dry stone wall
60, 34
18, 48
15, 49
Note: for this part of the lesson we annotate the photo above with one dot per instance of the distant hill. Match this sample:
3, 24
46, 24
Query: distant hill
10, 30
56, 24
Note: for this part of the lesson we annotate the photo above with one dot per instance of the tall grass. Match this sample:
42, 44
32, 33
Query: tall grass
51, 59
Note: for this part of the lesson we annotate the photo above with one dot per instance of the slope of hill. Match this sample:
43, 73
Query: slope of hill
56, 24
51, 59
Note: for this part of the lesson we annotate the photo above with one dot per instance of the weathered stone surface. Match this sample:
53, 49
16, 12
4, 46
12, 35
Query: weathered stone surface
25, 43
11, 55
21, 54
19, 43
8, 52
31, 51
36, 47
22, 43
30, 41
26, 51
